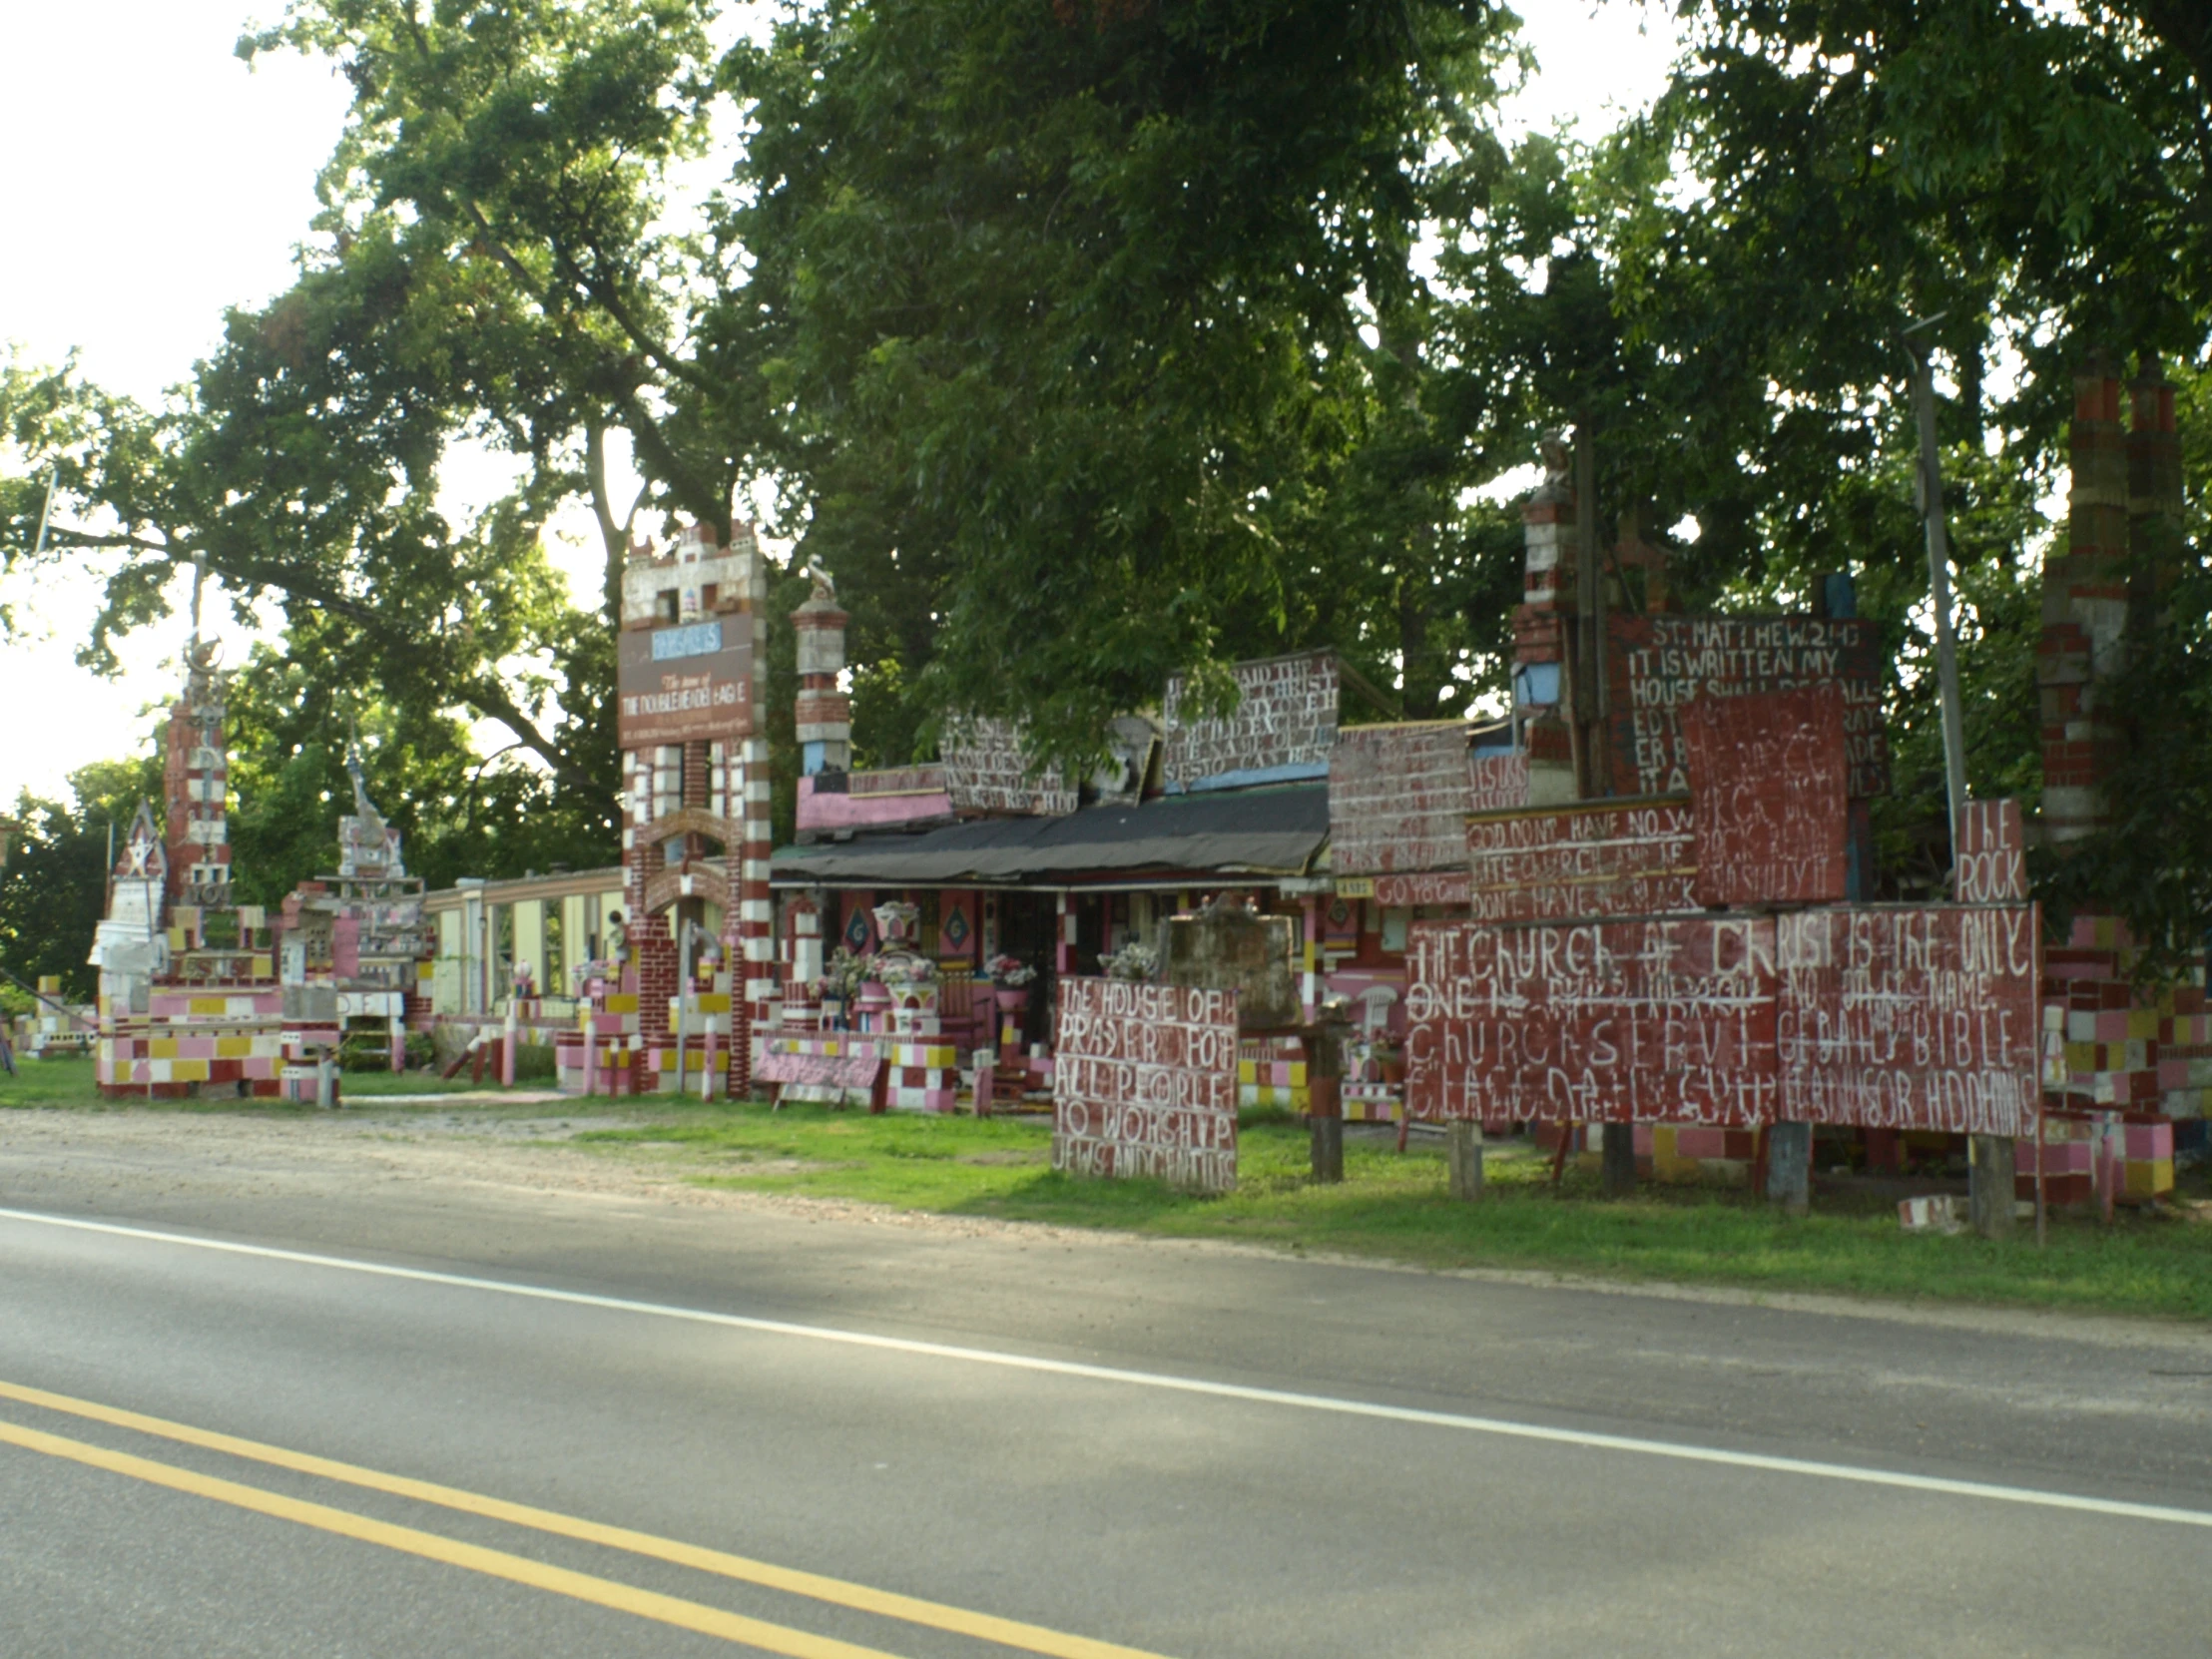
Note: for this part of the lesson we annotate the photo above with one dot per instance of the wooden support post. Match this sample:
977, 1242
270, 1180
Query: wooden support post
1990, 1162
591, 1056
2043, 1208
1790, 1167
1463, 1159
1559, 1157
1618, 1160
1324, 1042
1326, 1114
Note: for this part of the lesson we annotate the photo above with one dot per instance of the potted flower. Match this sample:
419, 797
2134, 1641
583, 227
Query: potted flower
1011, 977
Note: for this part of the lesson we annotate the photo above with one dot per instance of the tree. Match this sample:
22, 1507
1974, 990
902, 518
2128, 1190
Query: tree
2037, 178
485, 272
1061, 317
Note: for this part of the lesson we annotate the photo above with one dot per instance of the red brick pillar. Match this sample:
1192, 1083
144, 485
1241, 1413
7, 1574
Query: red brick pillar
2155, 503
1541, 668
2085, 608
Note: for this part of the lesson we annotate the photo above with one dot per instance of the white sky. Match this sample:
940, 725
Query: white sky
151, 180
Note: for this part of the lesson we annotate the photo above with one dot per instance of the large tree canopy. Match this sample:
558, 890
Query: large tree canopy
1062, 309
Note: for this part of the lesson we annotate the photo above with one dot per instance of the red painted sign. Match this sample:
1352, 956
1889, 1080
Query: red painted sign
1665, 1021
1436, 889
986, 769
1144, 1082
1766, 786
1912, 1017
1990, 863
1501, 783
1621, 858
1399, 798
1893, 1017
1285, 716
1660, 665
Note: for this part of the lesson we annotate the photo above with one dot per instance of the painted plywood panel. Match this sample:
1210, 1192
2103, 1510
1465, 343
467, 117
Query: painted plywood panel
1284, 722
1912, 1017
1144, 1082
986, 771
1768, 785
1501, 783
1398, 797
845, 1071
1990, 866
1655, 1020
1426, 889
1593, 859
1658, 666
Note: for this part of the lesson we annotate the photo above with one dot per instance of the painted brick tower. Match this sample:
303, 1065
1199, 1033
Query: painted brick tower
189, 999
1545, 677
195, 783
2123, 512
695, 792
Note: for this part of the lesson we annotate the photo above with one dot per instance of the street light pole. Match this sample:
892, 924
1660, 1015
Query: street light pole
1939, 580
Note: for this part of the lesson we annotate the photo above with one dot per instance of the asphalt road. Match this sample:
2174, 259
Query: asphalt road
1182, 1451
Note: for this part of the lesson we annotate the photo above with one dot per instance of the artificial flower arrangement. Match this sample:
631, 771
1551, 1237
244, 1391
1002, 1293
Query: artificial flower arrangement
905, 968
1133, 962
1010, 971
844, 974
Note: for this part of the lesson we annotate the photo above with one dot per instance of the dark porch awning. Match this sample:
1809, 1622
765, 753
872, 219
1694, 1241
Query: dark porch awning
1245, 832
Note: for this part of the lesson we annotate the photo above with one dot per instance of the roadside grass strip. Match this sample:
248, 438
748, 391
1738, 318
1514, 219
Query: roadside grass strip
1393, 1206
1390, 1206
839, 1592
1460, 1422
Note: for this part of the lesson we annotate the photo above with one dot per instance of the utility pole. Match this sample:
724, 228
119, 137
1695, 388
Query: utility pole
1938, 577
46, 513
1616, 1141
1990, 1160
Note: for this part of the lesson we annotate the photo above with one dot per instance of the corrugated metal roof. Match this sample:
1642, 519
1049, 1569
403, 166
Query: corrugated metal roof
1248, 833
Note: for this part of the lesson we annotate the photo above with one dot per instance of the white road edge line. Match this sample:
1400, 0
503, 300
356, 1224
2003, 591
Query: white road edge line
1181, 1385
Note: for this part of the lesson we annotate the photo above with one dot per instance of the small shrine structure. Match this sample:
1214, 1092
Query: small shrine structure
189, 1002
353, 948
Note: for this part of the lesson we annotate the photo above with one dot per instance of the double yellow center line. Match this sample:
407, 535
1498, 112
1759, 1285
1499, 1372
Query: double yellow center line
603, 1592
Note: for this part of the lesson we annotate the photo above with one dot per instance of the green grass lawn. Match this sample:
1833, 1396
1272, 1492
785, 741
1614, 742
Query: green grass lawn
1395, 1205
1389, 1206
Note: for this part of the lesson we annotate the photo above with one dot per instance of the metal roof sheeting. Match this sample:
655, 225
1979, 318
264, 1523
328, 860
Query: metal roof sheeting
1250, 833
